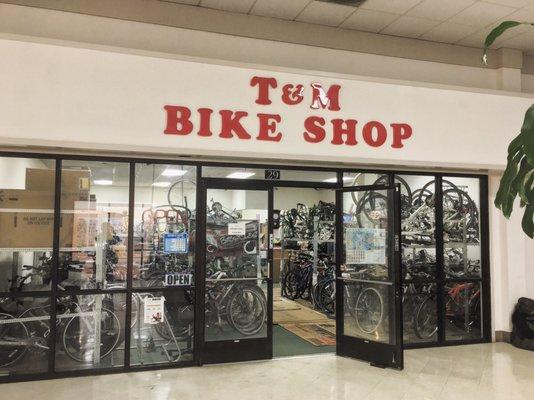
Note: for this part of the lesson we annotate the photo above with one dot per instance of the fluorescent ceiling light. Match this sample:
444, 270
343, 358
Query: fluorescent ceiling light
103, 182
240, 175
334, 180
174, 172
161, 184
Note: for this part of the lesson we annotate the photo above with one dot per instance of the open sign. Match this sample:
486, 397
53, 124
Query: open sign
178, 279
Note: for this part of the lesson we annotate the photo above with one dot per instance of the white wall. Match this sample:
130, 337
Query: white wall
13, 171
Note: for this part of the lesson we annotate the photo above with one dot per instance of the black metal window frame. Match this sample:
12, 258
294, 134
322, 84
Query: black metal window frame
54, 293
440, 279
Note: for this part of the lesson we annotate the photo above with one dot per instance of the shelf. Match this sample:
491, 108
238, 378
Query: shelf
45, 249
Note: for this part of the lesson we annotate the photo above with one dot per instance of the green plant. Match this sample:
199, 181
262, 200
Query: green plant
518, 177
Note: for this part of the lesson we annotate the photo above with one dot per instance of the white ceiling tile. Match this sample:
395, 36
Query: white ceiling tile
239, 6
410, 26
522, 42
521, 15
482, 14
369, 20
189, 2
285, 9
448, 32
321, 13
438, 9
511, 3
392, 6
478, 38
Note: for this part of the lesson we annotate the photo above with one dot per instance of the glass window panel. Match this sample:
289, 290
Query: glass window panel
366, 311
171, 339
461, 227
463, 311
164, 220
94, 224
418, 226
260, 173
365, 234
419, 305
27, 196
24, 335
364, 179
368, 291
90, 331
236, 263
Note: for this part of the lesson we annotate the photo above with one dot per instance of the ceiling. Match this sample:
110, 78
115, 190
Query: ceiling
464, 22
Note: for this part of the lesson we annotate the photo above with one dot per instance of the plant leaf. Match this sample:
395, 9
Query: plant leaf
494, 34
504, 199
527, 223
525, 189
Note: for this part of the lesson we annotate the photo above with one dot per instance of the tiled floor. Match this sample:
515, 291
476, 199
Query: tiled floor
488, 372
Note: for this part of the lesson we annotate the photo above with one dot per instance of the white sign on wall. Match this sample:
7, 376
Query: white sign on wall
95, 99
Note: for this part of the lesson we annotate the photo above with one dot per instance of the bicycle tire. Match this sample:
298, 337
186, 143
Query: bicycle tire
103, 354
4, 358
374, 325
418, 328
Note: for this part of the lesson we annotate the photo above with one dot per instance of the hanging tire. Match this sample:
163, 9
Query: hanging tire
247, 310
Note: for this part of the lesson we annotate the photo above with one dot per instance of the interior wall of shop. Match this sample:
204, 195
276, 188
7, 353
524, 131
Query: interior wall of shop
511, 251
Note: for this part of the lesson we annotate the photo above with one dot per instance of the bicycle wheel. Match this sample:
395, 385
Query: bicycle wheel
247, 310
79, 336
369, 310
181, 321
14, 337
426, 319
328, 296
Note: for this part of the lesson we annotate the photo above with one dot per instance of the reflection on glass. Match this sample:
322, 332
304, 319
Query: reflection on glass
366, 304
418, 226
94, 224
463, 311
26, 223
90, 331
24, 335
269, 174
363, 179
420, 312
164, 222
461, 227
170, 338
236, 263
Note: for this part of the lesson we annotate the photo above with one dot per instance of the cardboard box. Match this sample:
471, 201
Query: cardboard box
73, 182
27, 229
38, 199
27, 218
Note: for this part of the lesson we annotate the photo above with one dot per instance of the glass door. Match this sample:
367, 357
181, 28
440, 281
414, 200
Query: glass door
237, 286
369, 324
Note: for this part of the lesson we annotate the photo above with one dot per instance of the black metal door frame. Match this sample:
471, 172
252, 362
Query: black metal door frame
377, 353
209, 352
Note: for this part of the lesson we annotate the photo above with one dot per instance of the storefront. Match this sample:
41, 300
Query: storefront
364, 197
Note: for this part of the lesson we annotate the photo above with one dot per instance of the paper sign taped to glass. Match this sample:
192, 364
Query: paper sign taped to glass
365, 246
154, 310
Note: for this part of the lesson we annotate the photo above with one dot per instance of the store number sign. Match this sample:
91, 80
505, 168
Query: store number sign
316, 128
272, 174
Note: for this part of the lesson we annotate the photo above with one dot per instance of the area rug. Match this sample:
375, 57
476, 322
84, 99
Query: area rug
318, 334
